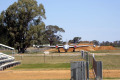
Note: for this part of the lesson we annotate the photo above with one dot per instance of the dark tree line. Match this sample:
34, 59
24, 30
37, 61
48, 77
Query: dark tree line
107, 43
21, 25
95, 42
75, 40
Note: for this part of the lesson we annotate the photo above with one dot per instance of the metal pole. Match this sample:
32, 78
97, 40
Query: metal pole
86, 56
87, 66
21, 57
44, 57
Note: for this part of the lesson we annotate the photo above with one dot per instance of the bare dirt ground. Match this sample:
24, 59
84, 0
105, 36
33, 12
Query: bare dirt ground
111, 73
47, 74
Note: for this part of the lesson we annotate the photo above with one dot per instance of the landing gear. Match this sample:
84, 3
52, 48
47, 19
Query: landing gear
58, 50
73, 49
65, 50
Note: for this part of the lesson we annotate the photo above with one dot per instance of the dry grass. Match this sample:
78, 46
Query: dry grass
109, 61
37, 59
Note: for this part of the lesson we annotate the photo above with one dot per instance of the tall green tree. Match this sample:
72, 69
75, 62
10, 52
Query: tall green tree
52, 34
36, 34
18, 19
3, 30
75, 40
95, 42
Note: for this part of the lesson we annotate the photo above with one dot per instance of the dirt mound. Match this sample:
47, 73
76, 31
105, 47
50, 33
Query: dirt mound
105, 48
89, 48
52, 50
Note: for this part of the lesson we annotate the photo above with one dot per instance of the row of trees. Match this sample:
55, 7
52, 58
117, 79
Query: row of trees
21, 25
95, 42
107, 43
75, 40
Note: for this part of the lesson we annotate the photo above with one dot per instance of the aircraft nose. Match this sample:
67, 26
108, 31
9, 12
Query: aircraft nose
94, 45
66, 47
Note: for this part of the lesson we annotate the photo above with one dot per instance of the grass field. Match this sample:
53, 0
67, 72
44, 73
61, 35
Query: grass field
35, 61
63, 62
109, 61
44, 66
106, 51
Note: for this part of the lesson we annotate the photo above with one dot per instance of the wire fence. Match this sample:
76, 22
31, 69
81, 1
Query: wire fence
96, 65
51, 58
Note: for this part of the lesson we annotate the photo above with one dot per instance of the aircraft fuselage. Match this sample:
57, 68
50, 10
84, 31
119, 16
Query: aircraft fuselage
65, 47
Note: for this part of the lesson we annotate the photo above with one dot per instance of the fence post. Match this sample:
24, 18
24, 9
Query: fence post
99, 70
78, 70
82, 53
86, 56
87, 69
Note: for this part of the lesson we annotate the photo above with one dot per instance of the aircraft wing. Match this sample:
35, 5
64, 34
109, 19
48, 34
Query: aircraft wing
60, 46
49, 46
55, 46
71, 46
79, 46
83, 45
